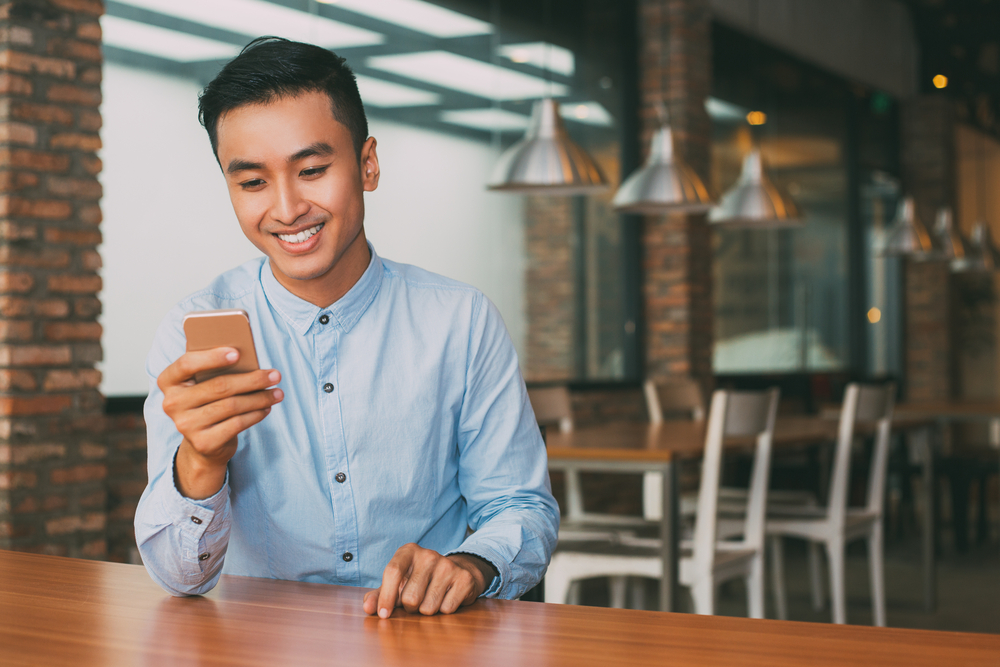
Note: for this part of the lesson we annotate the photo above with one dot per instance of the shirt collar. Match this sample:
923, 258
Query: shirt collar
346, 311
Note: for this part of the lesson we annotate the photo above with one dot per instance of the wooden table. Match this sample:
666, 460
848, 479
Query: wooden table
60, 611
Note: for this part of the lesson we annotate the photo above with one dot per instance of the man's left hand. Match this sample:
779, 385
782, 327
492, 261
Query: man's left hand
423, 580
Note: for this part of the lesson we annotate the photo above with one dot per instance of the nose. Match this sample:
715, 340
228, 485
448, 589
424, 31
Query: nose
288, 205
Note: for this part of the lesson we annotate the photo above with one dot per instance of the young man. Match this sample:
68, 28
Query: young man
390, 416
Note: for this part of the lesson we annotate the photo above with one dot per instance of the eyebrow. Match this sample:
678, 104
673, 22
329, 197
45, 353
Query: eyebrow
320, 148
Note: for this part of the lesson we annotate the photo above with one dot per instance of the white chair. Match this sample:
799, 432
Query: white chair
704, 561
677, 396
836, 524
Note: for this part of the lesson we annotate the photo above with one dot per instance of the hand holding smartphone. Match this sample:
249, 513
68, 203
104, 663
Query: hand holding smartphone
209, 329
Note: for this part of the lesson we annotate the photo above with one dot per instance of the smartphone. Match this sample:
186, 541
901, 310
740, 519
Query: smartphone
208, 329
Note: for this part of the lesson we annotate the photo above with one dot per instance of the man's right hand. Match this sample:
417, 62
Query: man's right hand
211, 414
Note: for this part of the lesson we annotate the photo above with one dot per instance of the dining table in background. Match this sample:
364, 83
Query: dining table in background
61, 611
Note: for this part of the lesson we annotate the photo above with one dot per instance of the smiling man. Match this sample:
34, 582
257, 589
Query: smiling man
387, 441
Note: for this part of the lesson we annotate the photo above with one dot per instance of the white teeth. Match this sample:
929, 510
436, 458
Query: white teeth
301, 236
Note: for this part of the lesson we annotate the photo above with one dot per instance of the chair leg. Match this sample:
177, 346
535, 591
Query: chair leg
638, 593
617, 587
703, 595
816, 577
838, 592
755, 587
877, 567
573, 595
778, 577
557, 583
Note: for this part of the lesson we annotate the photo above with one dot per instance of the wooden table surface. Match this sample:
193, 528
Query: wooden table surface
60, 611
963, 409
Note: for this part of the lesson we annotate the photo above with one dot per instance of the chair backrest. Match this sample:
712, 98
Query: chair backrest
862, 403
734, 414
552, 406
677, 395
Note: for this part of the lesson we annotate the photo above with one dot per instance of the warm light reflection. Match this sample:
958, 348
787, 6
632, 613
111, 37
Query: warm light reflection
520, 56
581, 111
940, 81
874, 315
756, 117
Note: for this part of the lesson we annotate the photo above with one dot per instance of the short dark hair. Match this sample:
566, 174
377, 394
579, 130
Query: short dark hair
270, 68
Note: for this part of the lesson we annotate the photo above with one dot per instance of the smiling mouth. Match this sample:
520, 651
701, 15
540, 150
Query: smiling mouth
302, 236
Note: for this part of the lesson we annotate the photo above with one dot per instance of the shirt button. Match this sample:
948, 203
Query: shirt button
324, 319
204, 556
328, 387
341, 477
196, 520
348, 556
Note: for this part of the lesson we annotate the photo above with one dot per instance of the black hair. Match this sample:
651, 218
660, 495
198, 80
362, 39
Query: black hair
269, 68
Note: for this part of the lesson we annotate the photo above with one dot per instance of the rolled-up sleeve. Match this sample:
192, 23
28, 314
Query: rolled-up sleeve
503, 468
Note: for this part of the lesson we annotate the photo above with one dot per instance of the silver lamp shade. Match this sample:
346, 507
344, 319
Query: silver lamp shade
664, 184
908, 236
983, 254
547, 161
953, 247
755, 202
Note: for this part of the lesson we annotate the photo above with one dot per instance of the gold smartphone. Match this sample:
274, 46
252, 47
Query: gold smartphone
209, 329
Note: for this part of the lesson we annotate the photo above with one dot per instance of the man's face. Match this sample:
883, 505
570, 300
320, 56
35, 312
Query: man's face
297, 188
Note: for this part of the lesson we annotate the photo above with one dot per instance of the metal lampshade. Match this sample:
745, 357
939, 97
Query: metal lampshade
547, 161
983, 253
908, 236
664, 184
755, 202
953, 247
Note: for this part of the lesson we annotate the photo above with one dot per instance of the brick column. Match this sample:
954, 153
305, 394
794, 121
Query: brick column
675, 69
52, 455
928, 164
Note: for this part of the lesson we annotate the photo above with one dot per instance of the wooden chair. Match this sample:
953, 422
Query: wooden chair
705, 562
836, 524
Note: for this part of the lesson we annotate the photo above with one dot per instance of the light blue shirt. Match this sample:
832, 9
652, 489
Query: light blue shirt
405, 419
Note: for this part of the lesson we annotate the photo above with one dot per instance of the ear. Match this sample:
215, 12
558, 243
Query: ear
369, 165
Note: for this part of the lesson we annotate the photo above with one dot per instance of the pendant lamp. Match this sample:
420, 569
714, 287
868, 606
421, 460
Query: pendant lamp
953, 247
664, 184
908, 236
755, 202
547, 161
983, 253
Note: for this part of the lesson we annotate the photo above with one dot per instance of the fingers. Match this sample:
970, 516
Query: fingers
424, 581
190, 363
393, 577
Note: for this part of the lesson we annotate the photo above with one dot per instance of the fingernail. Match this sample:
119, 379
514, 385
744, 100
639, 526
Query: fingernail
383, 613
232, 355
278, 394
267, 411
274, 376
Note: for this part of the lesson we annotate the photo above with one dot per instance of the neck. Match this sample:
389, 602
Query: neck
325, 290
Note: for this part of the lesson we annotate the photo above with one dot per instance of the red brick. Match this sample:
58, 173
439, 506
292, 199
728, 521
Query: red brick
16, 231
38, 452
49, 114
28, 505
96, 549
26, 63
90, 450
87, 307
35, 355
14, 379
51, 307
92, 7
15, 282
5, 457
87, 472
89, 120
91, 31
76, 140
18, 133
75, 49
12, 84
82, 188
90, 215
91, 260
16, 34
42, 209
73, 284
6, 530
97, 499
61, 380
90, 75
43, 258
35, 405
84, 96
17, 479
23, 158
13, 181
53, 503
46, 549
16, 330
72, 331
92, 165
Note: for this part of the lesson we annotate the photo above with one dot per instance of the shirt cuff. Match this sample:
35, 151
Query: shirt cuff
493, 588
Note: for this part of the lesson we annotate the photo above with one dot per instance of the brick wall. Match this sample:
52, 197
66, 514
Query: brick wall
675, 68
53, 457
928, 161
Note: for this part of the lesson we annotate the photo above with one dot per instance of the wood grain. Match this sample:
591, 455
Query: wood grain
59, 611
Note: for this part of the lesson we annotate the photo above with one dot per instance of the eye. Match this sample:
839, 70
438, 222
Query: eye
314, 171
252, 184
